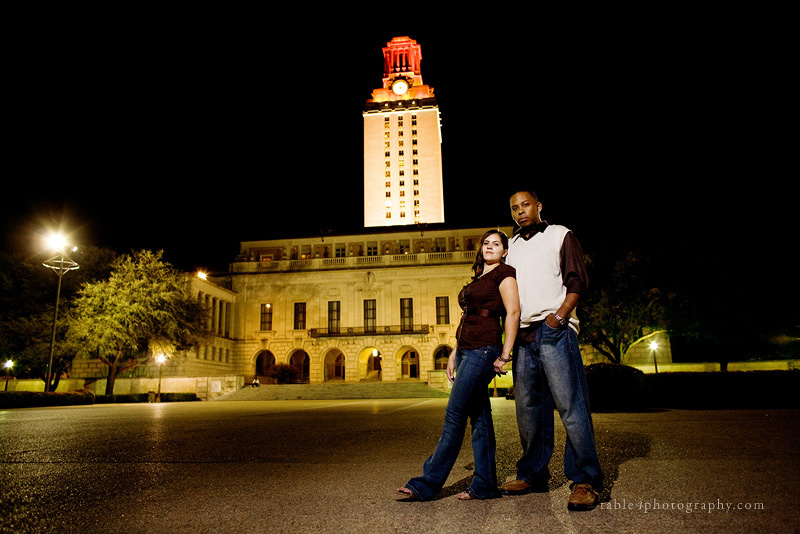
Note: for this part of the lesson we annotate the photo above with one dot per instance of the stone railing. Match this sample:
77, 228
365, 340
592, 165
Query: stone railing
354, 262
365, 331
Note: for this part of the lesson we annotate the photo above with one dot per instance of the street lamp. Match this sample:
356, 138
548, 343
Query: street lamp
8, 365
653, 347
159, 360
61, 264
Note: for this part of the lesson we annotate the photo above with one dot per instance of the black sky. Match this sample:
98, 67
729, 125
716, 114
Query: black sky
192, 132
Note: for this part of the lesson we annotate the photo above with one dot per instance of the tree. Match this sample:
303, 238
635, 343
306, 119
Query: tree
143, 309
27, 297
624, 305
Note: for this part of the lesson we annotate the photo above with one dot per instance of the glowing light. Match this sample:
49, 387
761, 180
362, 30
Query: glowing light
9, 364
202, 276
160, 359
56, 242
653, 345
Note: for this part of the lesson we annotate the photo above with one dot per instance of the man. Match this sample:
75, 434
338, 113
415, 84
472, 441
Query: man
548, 370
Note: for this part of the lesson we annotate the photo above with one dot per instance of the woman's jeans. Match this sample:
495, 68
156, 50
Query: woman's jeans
548, 372
469, 399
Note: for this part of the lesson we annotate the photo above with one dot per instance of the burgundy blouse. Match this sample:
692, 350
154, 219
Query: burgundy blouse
483, 308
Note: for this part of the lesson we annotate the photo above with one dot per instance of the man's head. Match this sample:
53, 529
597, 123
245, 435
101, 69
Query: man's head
525, 208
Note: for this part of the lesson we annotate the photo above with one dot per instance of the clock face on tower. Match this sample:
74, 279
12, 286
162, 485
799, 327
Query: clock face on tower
399, 86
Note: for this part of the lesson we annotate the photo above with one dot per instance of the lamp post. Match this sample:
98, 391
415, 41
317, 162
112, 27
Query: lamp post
8, 365
160, 360
653, 347
61, 263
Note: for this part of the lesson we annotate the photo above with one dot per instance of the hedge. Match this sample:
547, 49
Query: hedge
615, 387
32, 399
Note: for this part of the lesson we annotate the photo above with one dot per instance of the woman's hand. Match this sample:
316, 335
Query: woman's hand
451, 366
499, 363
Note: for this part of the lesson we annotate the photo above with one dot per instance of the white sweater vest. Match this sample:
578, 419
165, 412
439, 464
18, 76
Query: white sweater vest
538, 265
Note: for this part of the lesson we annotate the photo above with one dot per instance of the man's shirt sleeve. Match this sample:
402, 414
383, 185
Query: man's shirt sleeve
573, 269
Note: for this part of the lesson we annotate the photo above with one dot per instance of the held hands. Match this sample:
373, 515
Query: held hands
451, 365
499, 363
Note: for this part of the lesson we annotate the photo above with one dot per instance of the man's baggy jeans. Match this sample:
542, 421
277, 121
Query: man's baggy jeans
549, 372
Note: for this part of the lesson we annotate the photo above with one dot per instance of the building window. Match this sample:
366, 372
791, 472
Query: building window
370, 315
299, 315
266, 317
372, 248
406, 315
340, 250
334, 316
442, 310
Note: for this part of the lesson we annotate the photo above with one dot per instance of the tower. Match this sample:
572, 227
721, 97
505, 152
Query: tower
402, 144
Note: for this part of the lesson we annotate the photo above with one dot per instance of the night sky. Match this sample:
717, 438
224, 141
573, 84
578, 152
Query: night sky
190, 132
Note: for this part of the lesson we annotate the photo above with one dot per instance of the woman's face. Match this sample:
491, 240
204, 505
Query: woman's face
492, 249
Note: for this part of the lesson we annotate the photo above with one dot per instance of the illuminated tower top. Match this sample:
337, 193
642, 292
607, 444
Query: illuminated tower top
402, 77
402, 144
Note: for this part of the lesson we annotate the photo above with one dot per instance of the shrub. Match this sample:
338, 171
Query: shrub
179, 397
285, 374
616, 387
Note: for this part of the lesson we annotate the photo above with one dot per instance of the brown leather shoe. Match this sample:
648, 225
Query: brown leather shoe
583, 497
520, 487
516, 487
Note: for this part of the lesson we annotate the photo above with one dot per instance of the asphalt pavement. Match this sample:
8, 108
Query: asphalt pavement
333, 465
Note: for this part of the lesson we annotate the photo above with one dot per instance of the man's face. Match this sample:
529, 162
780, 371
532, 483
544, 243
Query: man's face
525, 209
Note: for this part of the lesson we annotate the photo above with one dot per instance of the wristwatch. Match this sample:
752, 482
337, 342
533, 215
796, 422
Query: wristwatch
561, 320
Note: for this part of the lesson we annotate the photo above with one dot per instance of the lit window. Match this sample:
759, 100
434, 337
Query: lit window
266, 316
299, 315
442, 310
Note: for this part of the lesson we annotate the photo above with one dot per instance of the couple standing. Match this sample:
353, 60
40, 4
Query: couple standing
534, 284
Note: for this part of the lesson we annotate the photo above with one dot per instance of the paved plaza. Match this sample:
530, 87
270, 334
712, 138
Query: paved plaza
332, 466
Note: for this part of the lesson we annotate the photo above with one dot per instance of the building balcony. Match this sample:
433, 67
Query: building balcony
354, 262
393, 330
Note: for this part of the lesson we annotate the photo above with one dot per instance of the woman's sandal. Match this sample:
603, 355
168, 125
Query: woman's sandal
408, 493
466, 496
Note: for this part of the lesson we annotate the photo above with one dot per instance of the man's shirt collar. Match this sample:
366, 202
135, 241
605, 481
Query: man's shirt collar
530, 231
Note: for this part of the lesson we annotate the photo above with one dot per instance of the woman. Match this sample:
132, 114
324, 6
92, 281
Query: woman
480, 352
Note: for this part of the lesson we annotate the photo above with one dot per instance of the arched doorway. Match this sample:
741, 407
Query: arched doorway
300, 359
370, 365
334, 366
264, 363
409, 365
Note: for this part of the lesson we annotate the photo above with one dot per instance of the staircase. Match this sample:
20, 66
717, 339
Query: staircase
335, 390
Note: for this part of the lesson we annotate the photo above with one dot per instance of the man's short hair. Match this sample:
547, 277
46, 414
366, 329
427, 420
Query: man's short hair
523, 190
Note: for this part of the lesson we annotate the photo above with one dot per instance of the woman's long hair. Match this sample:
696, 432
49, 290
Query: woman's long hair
477, 267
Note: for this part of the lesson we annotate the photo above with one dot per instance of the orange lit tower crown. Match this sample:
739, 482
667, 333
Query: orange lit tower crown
402, 78
402, 144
